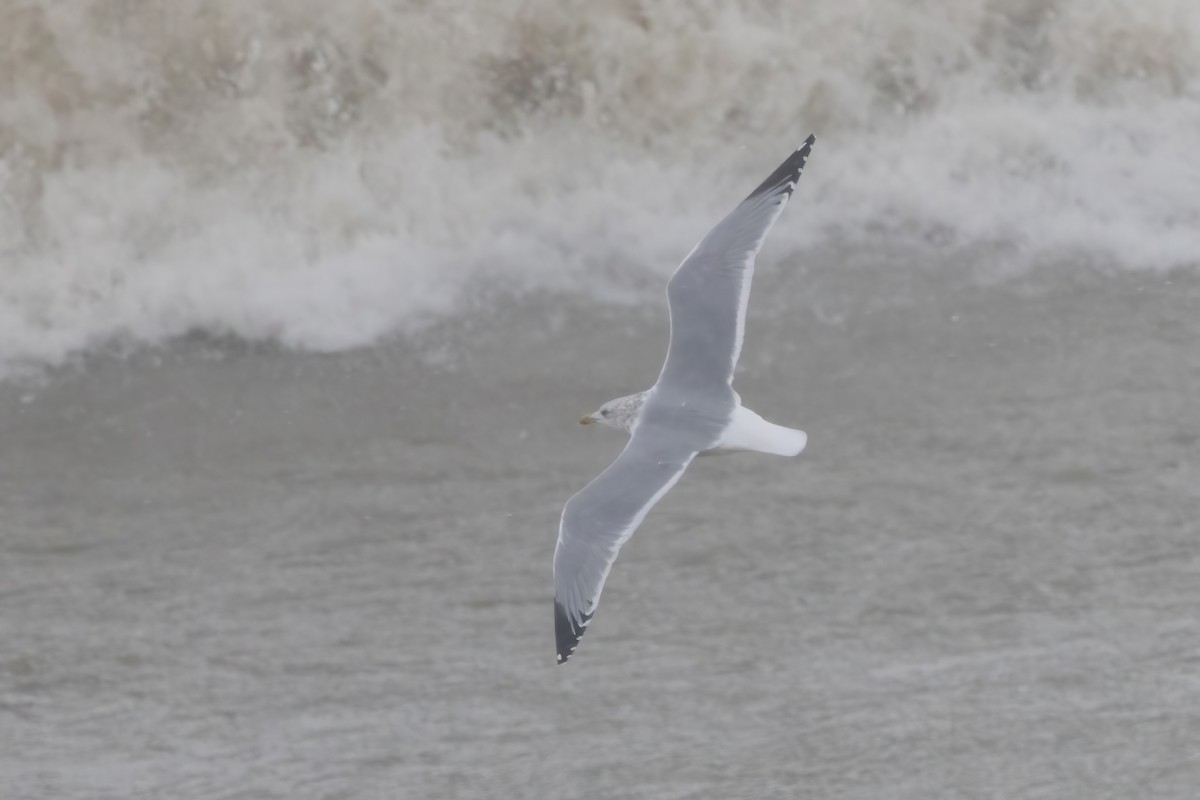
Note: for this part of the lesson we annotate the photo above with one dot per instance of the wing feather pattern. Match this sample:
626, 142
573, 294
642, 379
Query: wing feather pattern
600, 518
709, 291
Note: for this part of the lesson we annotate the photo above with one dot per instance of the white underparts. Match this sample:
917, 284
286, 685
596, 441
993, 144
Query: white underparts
749, 431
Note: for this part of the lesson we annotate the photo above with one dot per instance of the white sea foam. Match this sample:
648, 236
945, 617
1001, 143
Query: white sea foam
322, 175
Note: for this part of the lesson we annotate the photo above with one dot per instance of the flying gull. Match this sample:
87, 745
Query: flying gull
692, 409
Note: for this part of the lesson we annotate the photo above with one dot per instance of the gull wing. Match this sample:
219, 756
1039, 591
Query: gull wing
709, 291
601, 517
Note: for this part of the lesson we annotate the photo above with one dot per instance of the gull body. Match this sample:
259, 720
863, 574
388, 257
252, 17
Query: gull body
691, 410
745, 431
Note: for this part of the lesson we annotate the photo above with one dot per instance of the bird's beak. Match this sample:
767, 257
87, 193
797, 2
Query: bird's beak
588, 420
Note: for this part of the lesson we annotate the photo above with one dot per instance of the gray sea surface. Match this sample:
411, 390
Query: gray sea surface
231, 571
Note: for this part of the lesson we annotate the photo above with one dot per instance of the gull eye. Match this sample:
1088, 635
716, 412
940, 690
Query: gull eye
604, 412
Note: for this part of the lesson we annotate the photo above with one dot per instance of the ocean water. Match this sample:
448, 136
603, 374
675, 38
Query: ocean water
299, 304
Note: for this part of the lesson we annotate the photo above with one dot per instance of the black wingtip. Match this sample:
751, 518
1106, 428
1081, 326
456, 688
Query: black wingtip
566, 633
784, 178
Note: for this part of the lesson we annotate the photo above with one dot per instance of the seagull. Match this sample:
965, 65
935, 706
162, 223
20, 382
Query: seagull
691, 410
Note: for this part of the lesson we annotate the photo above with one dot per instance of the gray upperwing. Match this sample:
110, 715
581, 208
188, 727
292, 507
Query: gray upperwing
601, 517
709, 291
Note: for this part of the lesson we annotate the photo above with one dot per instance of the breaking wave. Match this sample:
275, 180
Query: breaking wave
323, 175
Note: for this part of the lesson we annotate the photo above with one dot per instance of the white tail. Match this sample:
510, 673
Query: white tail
749, 431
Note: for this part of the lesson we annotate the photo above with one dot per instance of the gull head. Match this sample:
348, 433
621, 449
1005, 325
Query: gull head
620, 413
